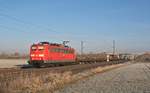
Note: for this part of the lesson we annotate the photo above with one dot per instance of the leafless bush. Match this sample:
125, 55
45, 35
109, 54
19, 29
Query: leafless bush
143, 58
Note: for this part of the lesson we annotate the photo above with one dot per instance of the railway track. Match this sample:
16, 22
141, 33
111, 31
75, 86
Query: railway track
147, 70
57, 68
8, 73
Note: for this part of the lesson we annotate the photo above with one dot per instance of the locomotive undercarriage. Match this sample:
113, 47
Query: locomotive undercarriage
43, 63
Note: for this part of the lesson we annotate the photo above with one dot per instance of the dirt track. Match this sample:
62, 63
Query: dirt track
133, 78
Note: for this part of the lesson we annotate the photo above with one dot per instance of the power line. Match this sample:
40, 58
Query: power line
13, 18
10, 28
24, 22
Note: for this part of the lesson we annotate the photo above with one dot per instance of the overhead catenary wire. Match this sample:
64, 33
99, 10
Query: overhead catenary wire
25, 22
11, 28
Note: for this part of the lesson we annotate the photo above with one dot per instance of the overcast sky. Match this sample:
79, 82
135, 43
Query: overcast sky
96, 22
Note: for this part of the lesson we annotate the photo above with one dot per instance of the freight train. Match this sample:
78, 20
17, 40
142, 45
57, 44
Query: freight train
45, 53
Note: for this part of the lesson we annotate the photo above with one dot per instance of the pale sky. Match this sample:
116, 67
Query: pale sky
97, 22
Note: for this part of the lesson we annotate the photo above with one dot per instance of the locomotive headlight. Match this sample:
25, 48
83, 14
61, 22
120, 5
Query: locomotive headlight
32, 55
41, 55
33, 48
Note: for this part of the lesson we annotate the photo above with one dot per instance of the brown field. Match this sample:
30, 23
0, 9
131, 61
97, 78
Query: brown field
9, 63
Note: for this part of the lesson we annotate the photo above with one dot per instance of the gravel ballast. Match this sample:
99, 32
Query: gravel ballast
134, 78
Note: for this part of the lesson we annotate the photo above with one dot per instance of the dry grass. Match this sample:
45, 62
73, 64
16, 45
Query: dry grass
36, 84
45, 83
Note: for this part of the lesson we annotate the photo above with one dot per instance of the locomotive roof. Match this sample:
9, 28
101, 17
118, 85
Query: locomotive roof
53, 44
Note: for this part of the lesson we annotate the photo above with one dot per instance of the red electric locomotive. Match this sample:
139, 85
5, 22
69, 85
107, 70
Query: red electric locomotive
51, 53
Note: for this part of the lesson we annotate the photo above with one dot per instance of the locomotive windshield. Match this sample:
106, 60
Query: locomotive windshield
37, 48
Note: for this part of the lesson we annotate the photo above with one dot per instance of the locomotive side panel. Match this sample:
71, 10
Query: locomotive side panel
60, 54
